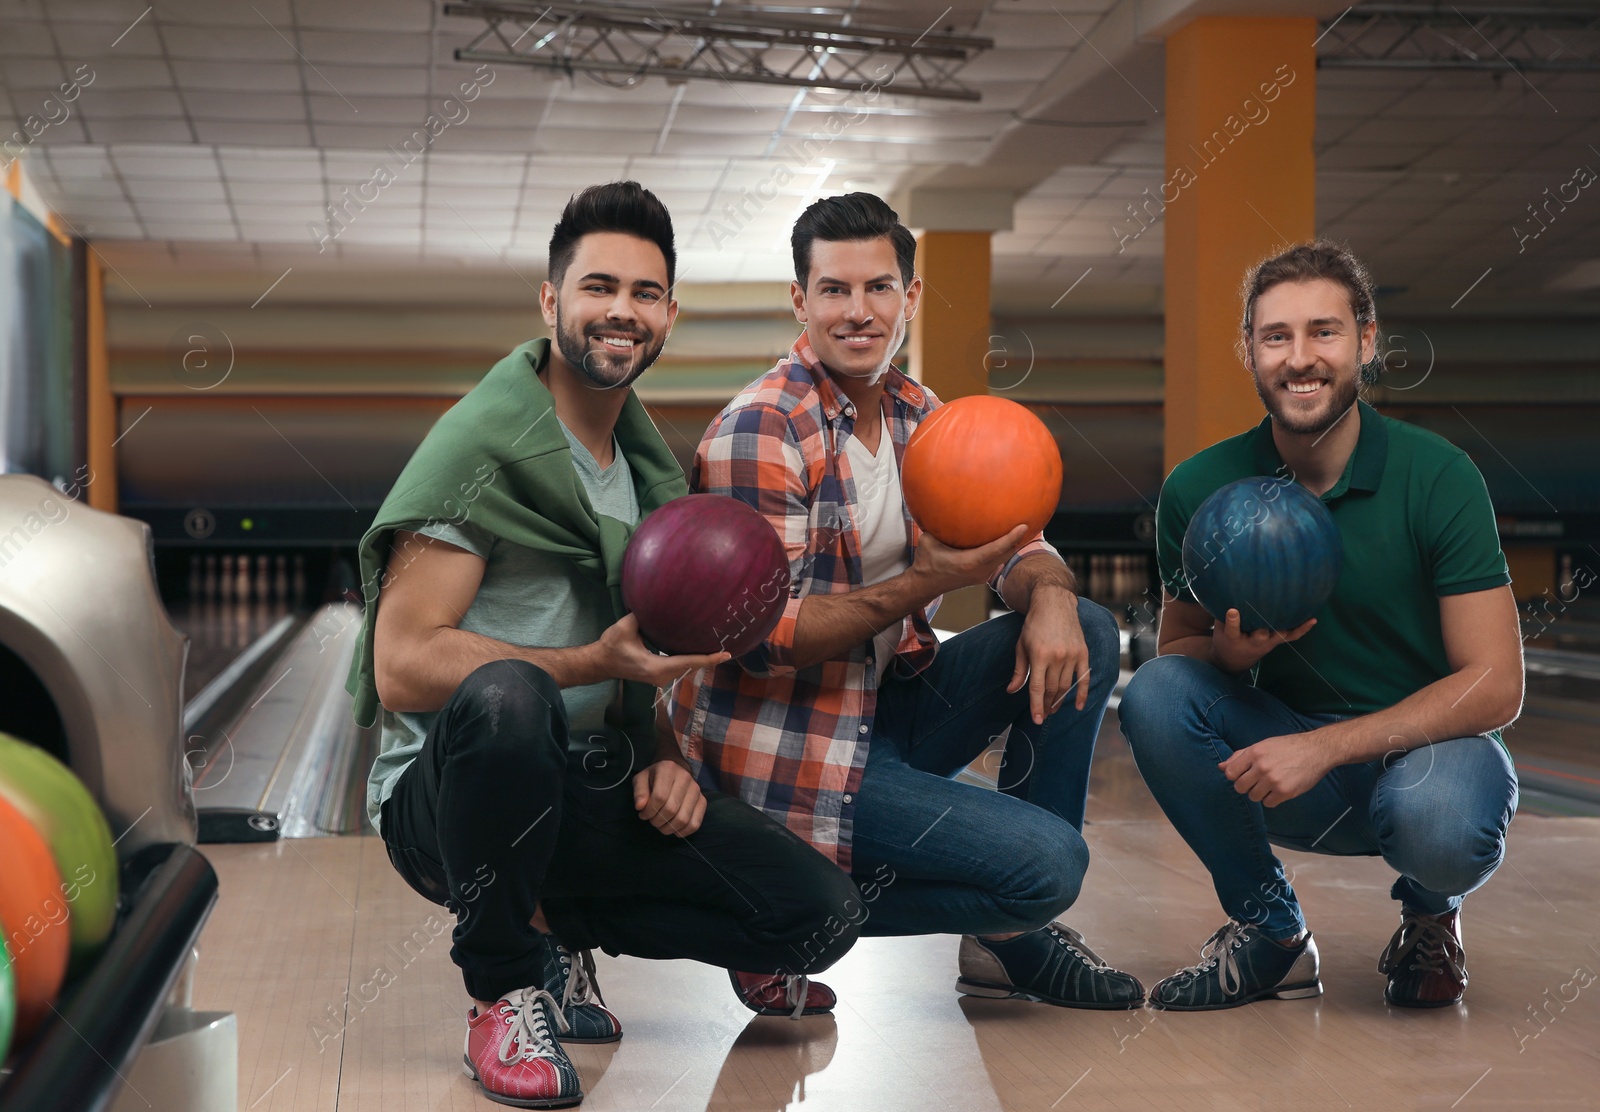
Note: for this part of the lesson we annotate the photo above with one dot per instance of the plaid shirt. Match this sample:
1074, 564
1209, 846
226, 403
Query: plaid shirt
794, 742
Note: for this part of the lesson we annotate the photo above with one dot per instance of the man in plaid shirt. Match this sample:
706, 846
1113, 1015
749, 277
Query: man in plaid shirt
850, 721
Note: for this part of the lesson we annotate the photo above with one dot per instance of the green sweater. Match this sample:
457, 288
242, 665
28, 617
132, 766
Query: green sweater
493, 458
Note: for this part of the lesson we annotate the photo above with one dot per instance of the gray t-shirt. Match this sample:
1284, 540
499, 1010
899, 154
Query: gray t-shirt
528, 598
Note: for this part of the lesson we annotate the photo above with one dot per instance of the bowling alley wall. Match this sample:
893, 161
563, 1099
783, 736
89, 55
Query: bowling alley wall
269, 422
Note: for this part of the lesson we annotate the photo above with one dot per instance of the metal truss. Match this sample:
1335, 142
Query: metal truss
1532, 38
620, 44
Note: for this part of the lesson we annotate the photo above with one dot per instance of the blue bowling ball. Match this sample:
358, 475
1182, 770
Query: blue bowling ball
1266, 547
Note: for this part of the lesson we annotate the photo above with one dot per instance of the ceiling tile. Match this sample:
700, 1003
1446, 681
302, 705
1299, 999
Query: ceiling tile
34, 71
257, 43
177, 190
25, 40
279, 191
208, 13
482, 169
270, 165
161, 210
253, 133
356, 81
112, 229
225, 76
377, 15
366, 47
191, 230
216, 105
132, 104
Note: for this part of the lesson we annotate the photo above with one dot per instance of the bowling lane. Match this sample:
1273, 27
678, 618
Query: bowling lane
227, 602
1554, 743
270, 742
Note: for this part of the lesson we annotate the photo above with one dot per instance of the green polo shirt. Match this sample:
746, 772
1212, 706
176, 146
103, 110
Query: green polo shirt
1417, 525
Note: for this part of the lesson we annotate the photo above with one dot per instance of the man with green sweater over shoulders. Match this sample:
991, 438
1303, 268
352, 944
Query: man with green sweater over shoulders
527, 779
1370, 729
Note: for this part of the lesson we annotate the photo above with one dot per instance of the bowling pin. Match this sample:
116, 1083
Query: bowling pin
280, 582
194, 580
225, 583
208, 595
261, 586
242, 586
299, 580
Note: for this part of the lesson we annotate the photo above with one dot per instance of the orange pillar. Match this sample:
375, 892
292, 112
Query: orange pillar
953, 321
1240, 185
102, 403
949, 335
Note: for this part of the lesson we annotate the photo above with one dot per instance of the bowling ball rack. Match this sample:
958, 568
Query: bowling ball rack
93, 674
115, 1006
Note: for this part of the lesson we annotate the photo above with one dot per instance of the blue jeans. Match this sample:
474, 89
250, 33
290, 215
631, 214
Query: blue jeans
936, 856
1437, 815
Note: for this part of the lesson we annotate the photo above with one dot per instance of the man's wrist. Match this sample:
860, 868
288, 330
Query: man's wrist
1227, 669
588, 665
1048, 593
667, 751
917, 589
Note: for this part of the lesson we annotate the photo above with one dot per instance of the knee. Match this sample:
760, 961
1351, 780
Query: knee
827, 920
1157, 693
1103, 636
1050, 859
1451, 859
512, 708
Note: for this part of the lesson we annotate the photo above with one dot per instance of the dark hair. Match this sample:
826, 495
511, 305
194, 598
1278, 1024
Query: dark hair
1306, 262
854, 216
617, 206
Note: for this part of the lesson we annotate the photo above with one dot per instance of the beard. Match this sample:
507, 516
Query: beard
604, 369
1338, 396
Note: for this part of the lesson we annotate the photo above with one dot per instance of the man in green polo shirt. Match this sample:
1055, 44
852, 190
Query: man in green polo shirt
1372, 728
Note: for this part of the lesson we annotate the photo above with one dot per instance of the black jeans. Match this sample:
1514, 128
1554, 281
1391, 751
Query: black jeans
499, 814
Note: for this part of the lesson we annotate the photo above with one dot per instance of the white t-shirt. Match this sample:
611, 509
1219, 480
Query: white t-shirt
880, 517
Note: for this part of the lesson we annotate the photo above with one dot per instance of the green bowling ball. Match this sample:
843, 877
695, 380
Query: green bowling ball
8, 997
61, 809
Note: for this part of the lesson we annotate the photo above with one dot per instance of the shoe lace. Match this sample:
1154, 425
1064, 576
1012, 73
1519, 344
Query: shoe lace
1217, 953
1423, 940
1072, 940
582, 981
796, 991
528, 1025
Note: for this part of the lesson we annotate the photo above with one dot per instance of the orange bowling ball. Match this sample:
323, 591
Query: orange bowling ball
35, 917
979, 466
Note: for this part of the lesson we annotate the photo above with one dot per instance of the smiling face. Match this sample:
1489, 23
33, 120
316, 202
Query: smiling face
855, 305
611, 314
1306, 352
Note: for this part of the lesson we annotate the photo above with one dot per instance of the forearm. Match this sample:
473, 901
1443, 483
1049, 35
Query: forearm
667, 747
829, 625
1200, 646
430, 669
1038, 572
1468, 702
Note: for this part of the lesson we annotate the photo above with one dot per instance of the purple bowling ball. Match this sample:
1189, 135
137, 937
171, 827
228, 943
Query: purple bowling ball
705, 574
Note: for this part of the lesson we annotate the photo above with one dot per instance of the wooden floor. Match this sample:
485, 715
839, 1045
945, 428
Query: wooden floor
346, 999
